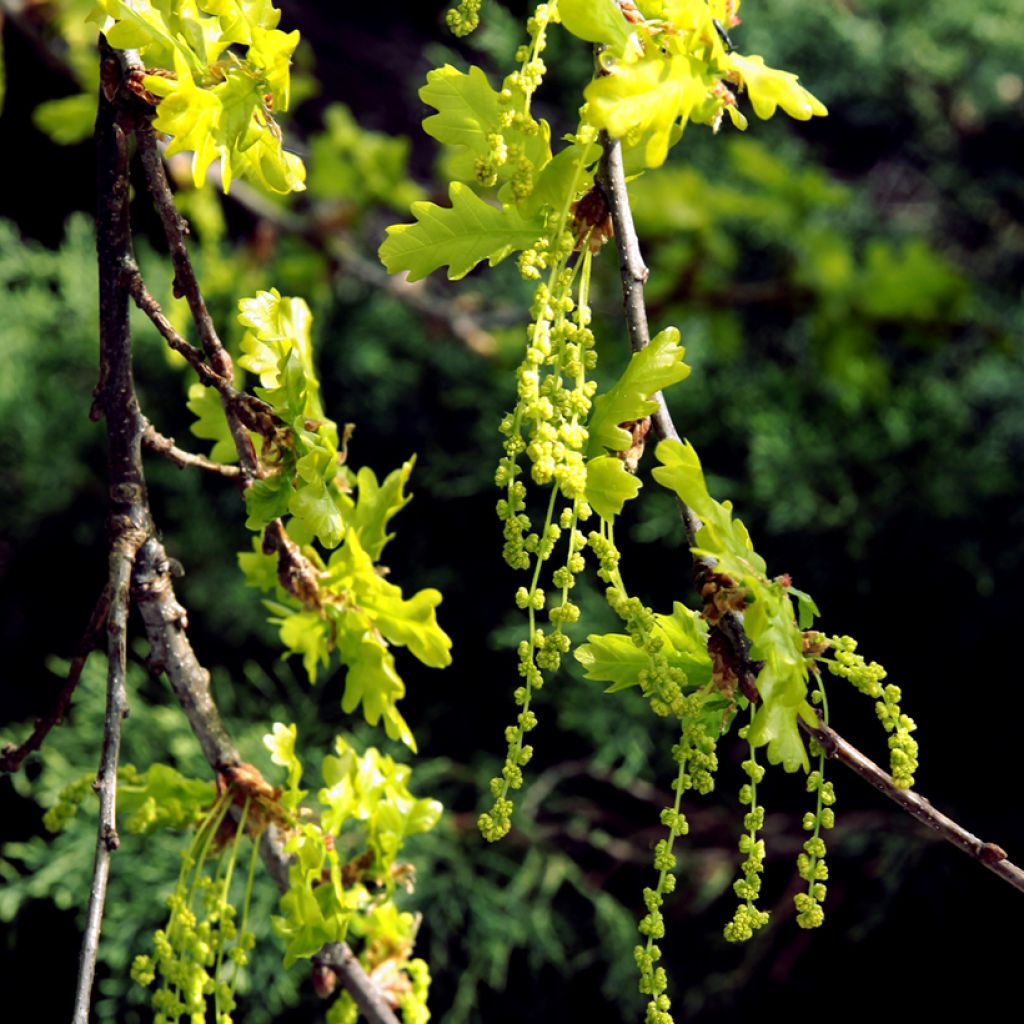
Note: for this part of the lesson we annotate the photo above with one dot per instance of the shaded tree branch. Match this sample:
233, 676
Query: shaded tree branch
992, 856
122, 555
245, 411
166, 623
157, 442
129, 521
185, 282
340, 959
611, 178
171, 652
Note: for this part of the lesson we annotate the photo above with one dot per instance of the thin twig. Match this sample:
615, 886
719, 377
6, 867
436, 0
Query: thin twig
989, 854
633, 271
252, 412
193, 356
157, 442
186, 283
634, 274
12, 757
175, 230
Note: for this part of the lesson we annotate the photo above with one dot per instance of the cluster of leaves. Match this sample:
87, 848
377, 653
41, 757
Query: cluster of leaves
345, 867
776, 639
667, 64
170, 793
495, 140
662, 65
212, 101
161, 797
344, 603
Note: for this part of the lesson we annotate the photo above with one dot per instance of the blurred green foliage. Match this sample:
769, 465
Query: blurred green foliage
47, 297
360, 167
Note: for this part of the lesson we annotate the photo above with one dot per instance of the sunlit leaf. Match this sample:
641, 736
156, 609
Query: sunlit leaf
459, 236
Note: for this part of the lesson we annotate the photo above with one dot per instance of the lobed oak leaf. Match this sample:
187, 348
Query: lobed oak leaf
770, 88
459, 236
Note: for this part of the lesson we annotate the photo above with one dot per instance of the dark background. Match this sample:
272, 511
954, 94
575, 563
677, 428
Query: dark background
848, 292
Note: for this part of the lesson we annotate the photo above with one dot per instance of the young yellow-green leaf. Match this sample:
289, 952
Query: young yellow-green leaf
375, 613
652, 369
775, 726
596, 21
281, 744
267, 500
372, 790
159, 31
466, 104
685, 633
467, 115
371, 679
259, 570
270, 54
211, 424
412, 623
610, 485
161, 797
459, 237
276, 326
721, 536
278, 349
306, 633
646, 100
315, 505
681, 472
263, 160
376, 504
238, 18
769, 88
314, 909
191, 116
553, 182
614, 658
807, 610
